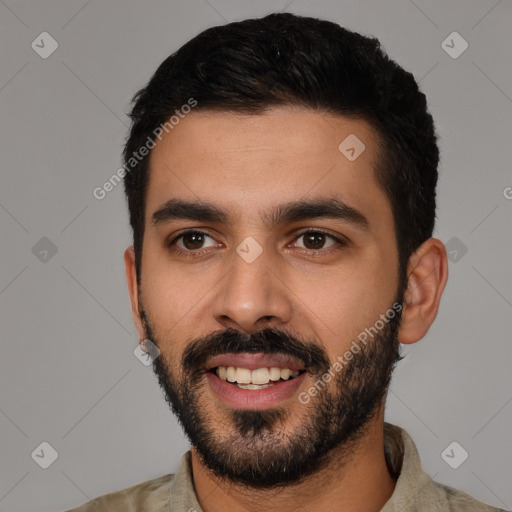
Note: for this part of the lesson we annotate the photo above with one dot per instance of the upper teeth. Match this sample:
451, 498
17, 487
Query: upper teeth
258, 376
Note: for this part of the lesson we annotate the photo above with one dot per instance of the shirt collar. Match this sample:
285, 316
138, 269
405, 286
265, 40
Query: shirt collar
403, 460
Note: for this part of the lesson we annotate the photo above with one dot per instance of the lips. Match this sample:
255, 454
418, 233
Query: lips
253, 399
245, 395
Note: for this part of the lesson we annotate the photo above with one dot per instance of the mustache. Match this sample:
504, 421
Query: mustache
269, 340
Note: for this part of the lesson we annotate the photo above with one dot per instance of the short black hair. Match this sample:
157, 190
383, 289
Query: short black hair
284, 59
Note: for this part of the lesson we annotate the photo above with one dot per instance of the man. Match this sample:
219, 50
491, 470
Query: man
281, 176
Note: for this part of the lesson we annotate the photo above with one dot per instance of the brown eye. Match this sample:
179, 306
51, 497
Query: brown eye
315, 240
191, 241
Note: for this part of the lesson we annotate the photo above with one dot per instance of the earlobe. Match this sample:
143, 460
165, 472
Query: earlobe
427, 275
133, 289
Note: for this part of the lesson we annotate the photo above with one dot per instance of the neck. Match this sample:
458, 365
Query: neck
361, 483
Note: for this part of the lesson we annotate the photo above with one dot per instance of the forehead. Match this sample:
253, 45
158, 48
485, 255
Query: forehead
246, 164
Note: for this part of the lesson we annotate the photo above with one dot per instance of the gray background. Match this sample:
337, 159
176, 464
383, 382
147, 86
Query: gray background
68, 373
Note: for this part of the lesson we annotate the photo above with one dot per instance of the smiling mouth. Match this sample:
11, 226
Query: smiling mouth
259, 378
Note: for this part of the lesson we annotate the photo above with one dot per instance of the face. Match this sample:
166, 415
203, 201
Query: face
270, 285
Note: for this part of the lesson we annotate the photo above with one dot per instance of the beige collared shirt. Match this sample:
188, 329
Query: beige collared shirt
415, 491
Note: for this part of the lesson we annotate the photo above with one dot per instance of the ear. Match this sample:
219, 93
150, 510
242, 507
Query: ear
427, 275
131, 280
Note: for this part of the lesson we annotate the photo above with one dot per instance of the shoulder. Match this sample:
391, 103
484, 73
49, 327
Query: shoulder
149, 495
415, 490
459, 501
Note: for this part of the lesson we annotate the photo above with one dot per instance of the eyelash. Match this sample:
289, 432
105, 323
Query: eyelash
309, 252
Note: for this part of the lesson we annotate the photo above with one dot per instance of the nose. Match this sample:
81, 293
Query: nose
252, 296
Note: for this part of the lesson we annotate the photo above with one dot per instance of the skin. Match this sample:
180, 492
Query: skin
248, 164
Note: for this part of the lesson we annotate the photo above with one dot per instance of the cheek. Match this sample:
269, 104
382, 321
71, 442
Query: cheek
340, 303
343, 308
166, 304
176, 298
163, 296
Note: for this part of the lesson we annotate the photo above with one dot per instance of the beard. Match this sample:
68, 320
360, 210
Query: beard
253, 448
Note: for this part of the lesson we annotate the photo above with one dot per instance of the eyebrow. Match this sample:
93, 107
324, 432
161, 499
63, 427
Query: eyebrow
295, 211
